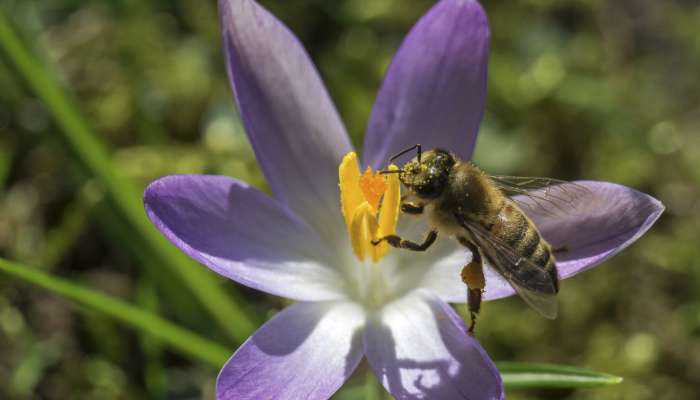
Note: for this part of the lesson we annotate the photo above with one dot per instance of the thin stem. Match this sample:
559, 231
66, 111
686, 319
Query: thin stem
180, 339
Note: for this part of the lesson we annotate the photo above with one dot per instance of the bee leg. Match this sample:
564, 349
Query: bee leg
562, 249
474, 299
411, 208
398, 242
473, 277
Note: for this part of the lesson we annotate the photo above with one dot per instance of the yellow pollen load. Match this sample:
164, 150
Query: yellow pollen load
370, 204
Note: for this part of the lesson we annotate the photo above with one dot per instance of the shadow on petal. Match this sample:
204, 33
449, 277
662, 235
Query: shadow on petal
306, 351
420, 350
283, 336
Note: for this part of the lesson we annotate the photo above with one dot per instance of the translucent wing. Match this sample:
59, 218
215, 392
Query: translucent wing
533, 283
543, 195
545, 304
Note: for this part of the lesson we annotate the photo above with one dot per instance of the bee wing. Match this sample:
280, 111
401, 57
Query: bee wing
533, 283
545, 304
543, 195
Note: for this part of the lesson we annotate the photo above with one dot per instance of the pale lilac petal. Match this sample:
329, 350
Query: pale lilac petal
605, 220
435, 89
306, 351
419, 349
438, 269
292, 124
243, 235
443, 275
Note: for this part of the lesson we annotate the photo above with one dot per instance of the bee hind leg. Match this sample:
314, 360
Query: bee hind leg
473, 277
474, 300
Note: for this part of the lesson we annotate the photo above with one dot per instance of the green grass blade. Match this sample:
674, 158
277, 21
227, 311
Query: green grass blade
182, 307
182, 340
526, 375
6, 156
121, 193
155, 374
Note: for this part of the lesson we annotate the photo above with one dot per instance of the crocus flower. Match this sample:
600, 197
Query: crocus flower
296, 243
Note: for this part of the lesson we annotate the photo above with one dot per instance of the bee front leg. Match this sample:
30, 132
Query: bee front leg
411, 208
473, 277
398, 242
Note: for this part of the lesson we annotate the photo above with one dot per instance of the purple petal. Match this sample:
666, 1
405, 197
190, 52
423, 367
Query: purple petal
435, 89
419, 349
443, 275
243, 235
292, 124
605, 220
437, 270
306, 351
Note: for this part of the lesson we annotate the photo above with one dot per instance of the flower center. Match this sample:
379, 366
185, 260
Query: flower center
370, 204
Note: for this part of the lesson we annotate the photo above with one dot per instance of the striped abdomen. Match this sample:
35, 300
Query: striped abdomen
517, 231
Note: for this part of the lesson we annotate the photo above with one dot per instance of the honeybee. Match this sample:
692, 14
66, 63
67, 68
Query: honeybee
479, 211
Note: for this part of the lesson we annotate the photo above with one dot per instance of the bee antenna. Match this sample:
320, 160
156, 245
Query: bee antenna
402, 152
390, 171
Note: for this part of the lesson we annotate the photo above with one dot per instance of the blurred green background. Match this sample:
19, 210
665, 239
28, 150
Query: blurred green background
577, 89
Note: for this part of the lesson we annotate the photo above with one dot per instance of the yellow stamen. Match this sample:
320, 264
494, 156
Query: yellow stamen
362, 231
349, 182
370, 205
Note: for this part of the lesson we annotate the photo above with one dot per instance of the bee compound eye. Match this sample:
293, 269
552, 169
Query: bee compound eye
436, 184
428, 188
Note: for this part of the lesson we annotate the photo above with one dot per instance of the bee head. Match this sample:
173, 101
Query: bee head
428, 173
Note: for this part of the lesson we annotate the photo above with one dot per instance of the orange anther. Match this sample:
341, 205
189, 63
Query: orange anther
373, 187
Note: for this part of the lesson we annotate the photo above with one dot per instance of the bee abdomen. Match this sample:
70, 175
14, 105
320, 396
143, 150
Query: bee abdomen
518, 232
543, 257
509, 225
